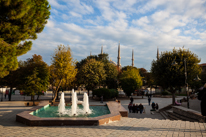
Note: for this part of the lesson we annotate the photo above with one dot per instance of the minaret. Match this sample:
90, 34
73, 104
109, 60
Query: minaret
158, 56
102, 50
118, 58
132, 58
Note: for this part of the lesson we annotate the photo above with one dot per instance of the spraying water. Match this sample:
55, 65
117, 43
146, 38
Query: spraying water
75, 110
61, 106
86, 104
74, 102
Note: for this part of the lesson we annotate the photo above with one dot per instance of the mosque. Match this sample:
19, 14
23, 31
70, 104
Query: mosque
118, 64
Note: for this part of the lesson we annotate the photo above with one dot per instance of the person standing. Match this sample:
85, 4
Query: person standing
101, 99
149, 99
202, 97
130, 107
131, 99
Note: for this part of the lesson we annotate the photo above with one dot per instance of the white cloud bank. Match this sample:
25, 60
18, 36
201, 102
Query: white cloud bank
137, 24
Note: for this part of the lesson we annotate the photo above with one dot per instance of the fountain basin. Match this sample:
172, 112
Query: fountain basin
52, 111
115, 108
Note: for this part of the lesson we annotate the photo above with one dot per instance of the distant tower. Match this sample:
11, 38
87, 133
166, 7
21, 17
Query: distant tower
132, 58
158, 56
118, 58
102, 50
90, 53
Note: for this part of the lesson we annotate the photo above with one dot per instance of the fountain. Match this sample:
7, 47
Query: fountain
74, 103
75, 110
61, 106
49, 115
86, 104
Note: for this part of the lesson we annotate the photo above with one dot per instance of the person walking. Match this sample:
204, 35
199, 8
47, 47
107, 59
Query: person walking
149, 99
131, 99
202, 97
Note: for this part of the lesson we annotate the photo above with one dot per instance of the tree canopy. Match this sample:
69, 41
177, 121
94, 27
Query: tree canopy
63, 66
92, 73
130, 80
20, 20
173, 77
8, 59
34, 70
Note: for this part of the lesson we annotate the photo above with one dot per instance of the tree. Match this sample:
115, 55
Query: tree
130, 80
20, 20
111, 75
33, 85
63, 66
173, 77
34, 70
110, 69
92, 73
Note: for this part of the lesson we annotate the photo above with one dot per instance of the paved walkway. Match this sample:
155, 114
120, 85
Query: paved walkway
136, 125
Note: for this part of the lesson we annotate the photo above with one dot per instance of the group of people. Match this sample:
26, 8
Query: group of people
155, 106
135, 108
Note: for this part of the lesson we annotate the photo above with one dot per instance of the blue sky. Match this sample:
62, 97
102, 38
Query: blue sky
142, 25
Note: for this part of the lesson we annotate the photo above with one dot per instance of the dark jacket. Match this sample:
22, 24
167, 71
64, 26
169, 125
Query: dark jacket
141, 107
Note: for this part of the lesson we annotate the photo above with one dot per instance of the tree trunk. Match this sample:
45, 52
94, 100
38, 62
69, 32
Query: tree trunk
173, 98
33, 101
57, 90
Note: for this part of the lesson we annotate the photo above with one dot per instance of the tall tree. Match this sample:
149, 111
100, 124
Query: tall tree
130, 80
173, 77
20, 20
92, 73
63, 66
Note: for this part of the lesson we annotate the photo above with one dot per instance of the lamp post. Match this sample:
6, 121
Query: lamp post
186, 84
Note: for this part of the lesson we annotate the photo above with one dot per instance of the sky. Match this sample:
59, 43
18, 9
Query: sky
141, 25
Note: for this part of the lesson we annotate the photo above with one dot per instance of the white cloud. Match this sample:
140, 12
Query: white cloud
139, 25
75, 14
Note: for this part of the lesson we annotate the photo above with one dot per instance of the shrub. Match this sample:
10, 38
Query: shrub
164, 93
106, 93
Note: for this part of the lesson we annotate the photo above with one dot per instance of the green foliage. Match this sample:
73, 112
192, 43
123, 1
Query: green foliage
173, 77
106, 93
8, 59
33, 84
164, 93
130, 80
20, 20
34, 76
110, 71
92, 73
111, 78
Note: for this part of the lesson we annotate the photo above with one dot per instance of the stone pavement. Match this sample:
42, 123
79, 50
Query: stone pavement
136, 125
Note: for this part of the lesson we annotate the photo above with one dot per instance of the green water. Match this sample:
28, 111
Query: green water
52, 111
